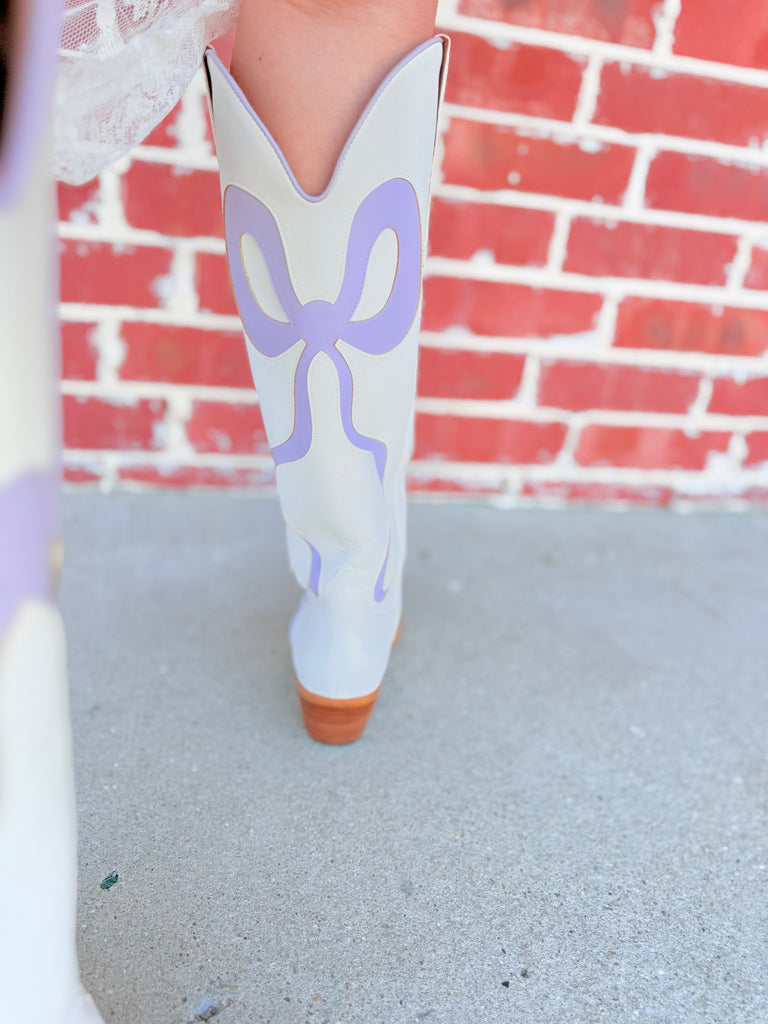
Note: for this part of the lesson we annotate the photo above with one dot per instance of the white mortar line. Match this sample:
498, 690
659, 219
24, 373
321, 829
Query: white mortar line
582, 46
665, 18
111, 352
183, 299
564, 349
558, 243
126, 235
566, 132
588, 92
178, 414
634, 197
111, 215
528, 393
109, 480
193, 160
542, 277
165, 459
126, 388
698, 407
740, 266
511, 410
566, 457
606, 322
430, 468
550, 473
81, 312
603, 211
738, 451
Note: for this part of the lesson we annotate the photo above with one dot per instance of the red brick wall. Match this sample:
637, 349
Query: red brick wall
595, 325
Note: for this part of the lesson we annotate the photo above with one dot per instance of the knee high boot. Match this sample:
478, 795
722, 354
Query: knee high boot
39, 977
328, 288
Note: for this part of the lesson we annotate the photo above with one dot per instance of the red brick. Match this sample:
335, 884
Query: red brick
184, 355
645, 250
470, 439
510, 76
647, 447
757, 275
166, 132
78, 204
581, 386
214, 287
78, 353
696, 184
227, 427
197, 476
125, 275
494, 308
73, 474
691, 327
592, 493
757, 448
492, 156
749, 398
716, 30
510, 234
101, 423
641, 99
455, 373
172, 200
628, 21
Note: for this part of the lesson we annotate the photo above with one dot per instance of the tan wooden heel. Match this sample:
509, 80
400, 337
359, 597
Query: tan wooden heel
328, 720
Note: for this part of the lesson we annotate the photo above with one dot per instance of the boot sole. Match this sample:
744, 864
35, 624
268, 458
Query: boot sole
337, 721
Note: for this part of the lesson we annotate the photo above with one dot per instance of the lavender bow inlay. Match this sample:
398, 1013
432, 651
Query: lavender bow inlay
320, 324
28, 515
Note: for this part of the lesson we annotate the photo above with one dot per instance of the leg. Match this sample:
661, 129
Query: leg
329, 289
38, 964
309, 67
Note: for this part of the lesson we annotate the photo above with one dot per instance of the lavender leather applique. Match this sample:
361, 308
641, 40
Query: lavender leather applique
27, 525
320, 324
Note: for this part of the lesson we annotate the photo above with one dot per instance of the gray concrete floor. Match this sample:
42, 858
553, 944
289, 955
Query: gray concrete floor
559, 812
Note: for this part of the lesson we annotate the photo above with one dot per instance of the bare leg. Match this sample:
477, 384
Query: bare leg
308, 67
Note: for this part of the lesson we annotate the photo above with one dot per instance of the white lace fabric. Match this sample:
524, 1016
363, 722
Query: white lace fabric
123, 66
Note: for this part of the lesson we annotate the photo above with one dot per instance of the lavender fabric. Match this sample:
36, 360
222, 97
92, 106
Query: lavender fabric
28, 95
320, 324
28, 525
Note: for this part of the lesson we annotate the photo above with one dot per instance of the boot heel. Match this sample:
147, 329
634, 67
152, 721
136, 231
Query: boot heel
335, 721
330, 720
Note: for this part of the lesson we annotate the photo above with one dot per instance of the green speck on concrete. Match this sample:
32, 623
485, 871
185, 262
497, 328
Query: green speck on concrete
109, 881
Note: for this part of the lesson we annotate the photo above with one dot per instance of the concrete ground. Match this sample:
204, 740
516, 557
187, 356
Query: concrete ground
559, 812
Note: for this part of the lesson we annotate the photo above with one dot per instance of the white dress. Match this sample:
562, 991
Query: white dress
123, 66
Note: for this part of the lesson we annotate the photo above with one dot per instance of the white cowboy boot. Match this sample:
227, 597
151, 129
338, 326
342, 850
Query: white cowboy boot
39, 978
329, 291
